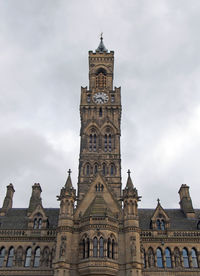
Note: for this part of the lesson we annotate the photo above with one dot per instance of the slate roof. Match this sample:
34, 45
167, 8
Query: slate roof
177, 219
16, 218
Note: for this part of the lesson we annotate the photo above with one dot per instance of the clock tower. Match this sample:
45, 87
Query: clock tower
100, 111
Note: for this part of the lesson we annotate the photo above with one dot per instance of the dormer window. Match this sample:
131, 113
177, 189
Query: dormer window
160, 223
37, 222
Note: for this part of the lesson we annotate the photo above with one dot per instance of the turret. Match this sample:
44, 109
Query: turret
131, 198
35, 199
186, 201
8, 200
67, 197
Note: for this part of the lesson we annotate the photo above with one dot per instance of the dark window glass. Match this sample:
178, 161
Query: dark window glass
95, 247
168, 258
10, 257
2, 256
105, 143
28, 257
159, 258
83, 248
35, 224
88, 170
109, 248
113, 249
185, 258
158, 224
112, 169
88, 248
101, 249
100, 112
104, 169
95, 169
110, 143
37, 258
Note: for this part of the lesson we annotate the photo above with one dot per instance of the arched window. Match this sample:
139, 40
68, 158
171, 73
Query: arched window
95, 247
158, 224
36, 262
109, 142
159, 258
93, 140
28, 257
105, 142
185, 258
144, 259
83, 248
113, 249
194, 258
10, 257
39, 223
95, 169
162, 224
112, 169
88, 248
100, 112
101, 79
35, 224
87, 169
104, 169
109, 248
168, 258
101, 248
2, 256
198, 225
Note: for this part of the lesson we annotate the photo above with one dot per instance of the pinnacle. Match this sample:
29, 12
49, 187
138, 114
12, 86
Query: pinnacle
129, 184
101, 48
68, 184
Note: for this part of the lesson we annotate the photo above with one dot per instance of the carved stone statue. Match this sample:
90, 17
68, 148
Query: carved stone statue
62, 248
177, 259
19, 256
133, 249
45, 257
151, 259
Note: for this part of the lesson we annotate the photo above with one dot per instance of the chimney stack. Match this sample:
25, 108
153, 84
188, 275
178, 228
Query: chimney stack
186, 201
8, 200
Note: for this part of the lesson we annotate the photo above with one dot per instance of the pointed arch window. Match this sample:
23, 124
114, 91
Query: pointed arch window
168, 258
101, 247
112, 169
100, 112
113, 249
109, 248
109, 142
93, 141
95, 247
95, 169
194, 258
83, 248
158, 224
104, 169
2, 256
39, 223
101, 79
159, 258
10, 257
144, 259
87, 169
185, 258
28, 257
36, 262
35, 224
88, 248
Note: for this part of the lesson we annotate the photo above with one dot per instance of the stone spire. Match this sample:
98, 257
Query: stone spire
68, 184
101, 48
35, 199
8, 200
129, 183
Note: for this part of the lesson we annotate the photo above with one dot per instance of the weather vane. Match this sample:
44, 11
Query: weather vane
101, 35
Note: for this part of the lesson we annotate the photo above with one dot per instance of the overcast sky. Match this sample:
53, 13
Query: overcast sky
43, 63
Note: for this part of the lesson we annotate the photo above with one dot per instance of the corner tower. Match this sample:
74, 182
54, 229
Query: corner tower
100, 111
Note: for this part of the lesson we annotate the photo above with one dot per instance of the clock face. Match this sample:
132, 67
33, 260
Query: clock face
100, 98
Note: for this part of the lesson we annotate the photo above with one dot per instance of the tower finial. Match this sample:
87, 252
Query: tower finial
129, 173
158, 201
101, 36
69, 172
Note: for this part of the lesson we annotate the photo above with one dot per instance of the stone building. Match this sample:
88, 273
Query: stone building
99, 230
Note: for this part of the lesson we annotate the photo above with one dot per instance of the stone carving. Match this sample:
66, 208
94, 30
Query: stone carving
63, 246
133, 249
177, 259
19, 256
151, 259
45, 257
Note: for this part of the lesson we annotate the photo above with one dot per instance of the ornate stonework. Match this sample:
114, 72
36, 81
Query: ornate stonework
99, 230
